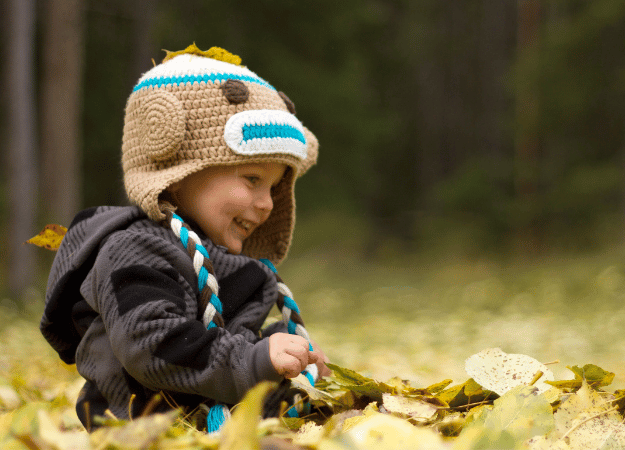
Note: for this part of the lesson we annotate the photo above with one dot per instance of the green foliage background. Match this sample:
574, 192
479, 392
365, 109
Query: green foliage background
367, 77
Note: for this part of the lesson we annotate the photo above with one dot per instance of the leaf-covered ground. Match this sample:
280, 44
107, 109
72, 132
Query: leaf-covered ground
404, 335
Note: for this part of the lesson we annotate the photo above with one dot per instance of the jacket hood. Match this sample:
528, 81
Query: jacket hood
72, 263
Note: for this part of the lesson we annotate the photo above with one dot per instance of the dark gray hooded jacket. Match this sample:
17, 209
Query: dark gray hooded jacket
121, 304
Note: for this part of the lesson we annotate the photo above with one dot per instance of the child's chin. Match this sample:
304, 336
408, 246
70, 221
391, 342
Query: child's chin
235, 249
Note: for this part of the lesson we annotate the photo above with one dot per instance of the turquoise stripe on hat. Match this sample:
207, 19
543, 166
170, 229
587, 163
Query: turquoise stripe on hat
207, 77
272, 131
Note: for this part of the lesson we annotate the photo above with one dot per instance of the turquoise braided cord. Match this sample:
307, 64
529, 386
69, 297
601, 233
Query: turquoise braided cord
212, 317
206, 280
207, 283
217, 416
290, 311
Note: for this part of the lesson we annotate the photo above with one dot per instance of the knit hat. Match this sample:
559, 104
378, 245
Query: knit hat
199, 109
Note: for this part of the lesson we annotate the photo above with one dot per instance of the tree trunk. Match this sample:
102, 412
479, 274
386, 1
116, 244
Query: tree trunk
527, 141
61, 107
22, 143
496, 47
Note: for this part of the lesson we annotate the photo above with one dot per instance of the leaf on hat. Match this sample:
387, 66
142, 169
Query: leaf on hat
217, 53
500, 372
50, 237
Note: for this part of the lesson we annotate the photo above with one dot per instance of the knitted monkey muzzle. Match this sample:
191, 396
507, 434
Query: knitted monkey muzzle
265, 131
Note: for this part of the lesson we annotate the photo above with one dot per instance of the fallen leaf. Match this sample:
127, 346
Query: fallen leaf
50, 237
59, 440
438, 387
135, 434
411, 407
523, 412
480, 438
467, 393
309, 435
383, 431
500, 372
585, 399
544, 443
314, 393
594, 375
9, 398
359, 384
239, 431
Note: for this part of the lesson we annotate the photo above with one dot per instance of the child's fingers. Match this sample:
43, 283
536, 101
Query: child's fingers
320, 360
324, 371
313, 357
290, 354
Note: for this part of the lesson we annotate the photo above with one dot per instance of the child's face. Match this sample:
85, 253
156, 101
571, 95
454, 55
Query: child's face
229, 202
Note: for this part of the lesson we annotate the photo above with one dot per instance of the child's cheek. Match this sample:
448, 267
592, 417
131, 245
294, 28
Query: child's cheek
239, 194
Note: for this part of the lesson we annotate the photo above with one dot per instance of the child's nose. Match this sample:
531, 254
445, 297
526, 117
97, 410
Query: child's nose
264, 201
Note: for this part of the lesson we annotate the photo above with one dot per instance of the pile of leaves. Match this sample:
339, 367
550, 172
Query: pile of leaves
510, 402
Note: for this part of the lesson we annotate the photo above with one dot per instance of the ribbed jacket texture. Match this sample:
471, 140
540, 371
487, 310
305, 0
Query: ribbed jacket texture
121, 304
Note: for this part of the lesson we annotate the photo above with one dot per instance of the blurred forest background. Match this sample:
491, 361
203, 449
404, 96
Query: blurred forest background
446, 127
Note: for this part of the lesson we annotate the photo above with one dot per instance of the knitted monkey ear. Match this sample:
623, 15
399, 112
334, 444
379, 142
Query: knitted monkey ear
312, 151
161, 125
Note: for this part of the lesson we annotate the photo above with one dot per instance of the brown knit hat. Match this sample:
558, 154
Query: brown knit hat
199, 109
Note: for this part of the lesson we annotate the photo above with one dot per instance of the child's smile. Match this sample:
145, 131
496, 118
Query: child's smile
229, 202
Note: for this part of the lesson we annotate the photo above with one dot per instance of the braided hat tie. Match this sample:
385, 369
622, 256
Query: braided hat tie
213, 310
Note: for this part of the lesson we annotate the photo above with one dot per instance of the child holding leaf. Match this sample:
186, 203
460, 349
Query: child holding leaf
169, 296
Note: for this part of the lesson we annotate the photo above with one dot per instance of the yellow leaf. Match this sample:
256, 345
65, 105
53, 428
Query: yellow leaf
411, 407
239, 432
67, 440
137, 434
309, 435
438, 387
383, 431
499, 371
50, 237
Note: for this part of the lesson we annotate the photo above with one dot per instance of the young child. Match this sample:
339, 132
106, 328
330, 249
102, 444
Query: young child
169, 296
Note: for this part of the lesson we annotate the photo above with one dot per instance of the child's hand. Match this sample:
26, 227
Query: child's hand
322, 359
290, 354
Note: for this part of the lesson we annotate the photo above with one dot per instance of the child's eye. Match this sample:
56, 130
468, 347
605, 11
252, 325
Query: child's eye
252, 179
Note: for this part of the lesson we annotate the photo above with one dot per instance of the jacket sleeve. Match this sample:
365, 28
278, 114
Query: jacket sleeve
149, 310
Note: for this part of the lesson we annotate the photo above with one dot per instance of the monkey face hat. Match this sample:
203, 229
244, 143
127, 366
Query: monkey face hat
203, 108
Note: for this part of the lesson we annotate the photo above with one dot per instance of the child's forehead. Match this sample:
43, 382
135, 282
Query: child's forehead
271, 169
269, 166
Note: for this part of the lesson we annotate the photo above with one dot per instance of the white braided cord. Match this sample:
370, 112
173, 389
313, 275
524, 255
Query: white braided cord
209, 314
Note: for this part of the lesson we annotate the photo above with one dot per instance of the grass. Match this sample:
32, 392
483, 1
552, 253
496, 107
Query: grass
416, 318
421, 319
